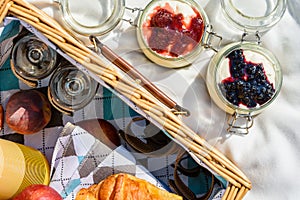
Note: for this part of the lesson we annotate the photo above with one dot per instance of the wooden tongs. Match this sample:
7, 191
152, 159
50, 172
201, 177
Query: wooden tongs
137, 76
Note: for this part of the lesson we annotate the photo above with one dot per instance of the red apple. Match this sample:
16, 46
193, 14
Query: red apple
38, 192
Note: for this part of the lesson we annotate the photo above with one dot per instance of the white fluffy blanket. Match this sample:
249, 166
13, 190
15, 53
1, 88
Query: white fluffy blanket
270, 154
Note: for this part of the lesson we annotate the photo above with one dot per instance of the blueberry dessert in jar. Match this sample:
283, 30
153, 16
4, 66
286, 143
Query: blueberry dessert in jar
243, 79
171, 33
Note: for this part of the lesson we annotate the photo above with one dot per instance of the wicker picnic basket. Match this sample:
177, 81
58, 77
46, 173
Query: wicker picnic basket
161, 114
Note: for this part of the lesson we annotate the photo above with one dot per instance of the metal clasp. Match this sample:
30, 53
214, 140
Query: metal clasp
255, 38
135, 21
240, 124
210, 39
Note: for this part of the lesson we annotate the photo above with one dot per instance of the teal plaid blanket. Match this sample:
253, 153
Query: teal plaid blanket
106, 105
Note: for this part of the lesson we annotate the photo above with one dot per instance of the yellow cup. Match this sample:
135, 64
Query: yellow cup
20, 166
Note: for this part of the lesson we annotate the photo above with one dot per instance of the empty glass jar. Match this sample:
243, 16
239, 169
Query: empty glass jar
255, 15
91, 17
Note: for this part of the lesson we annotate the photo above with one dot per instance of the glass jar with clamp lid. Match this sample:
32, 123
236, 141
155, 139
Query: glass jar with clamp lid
244, 78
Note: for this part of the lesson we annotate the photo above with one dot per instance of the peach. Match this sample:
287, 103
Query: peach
27, 111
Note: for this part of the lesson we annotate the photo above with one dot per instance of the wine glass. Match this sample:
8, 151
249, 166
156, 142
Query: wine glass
32, 59
71, 89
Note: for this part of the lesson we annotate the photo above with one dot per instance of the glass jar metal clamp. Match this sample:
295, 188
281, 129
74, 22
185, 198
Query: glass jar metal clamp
244, 78
110, 13
32, 59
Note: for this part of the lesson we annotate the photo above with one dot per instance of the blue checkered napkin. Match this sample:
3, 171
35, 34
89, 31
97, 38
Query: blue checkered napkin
79, 160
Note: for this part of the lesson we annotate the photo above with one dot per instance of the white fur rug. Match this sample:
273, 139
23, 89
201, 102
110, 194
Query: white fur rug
270, 154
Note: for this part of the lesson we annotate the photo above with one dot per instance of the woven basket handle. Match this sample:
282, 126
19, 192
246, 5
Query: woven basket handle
178, 185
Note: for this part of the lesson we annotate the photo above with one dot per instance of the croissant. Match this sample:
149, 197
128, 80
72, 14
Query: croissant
124, 187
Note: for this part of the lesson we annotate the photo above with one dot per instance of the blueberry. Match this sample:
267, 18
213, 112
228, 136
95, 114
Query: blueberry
271, 91
260, 75
231, 86
251, 104
231, 95
269, 86
236, 75
241, 95
253, 88
246, 100
248, 84
239, 59
235, 62
260, 67
232, 98
236, 56
235, 102
251, 77
241, 73
263, 90
260, 96
250, 69
269, 95
240, 84
247, 90
242, 65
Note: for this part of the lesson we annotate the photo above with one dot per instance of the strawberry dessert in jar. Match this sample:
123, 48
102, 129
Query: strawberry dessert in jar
171, 33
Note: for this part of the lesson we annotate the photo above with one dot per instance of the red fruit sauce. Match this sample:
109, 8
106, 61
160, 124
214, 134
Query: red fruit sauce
171, 34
